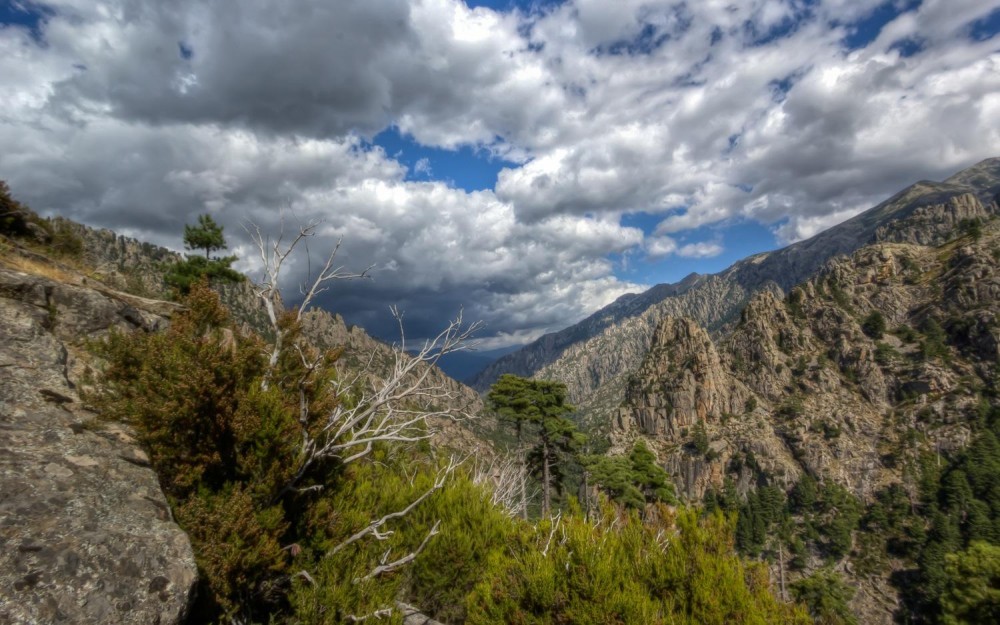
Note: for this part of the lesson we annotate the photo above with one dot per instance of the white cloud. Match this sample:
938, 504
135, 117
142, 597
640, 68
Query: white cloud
423, 166
659, 247
704, 249
139, 115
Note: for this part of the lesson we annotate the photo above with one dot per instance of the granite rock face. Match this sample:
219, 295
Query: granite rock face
856, 374
681, 383
86, 535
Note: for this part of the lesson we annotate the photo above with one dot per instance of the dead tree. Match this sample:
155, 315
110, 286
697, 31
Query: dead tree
387, 406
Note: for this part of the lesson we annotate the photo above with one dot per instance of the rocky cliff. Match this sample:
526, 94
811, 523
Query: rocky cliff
880, 359
824, 383
595, 356
86, 535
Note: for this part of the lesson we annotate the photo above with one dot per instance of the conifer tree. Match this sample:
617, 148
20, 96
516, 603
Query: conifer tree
539, 405
207, 235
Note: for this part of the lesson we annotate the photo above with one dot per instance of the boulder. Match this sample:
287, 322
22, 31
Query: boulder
86, 535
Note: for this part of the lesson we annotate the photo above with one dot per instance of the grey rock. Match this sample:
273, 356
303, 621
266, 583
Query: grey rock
86, 534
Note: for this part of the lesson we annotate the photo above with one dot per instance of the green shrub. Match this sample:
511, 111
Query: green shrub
874, 325
885, 354
573, 572
827, 596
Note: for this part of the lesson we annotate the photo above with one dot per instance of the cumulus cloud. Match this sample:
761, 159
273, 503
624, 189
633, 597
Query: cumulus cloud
139, 115
704, 249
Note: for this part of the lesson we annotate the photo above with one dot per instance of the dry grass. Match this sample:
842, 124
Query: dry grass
35, 264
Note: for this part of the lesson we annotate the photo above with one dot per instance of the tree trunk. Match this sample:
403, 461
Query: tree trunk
545, 480
781, 568
524, 488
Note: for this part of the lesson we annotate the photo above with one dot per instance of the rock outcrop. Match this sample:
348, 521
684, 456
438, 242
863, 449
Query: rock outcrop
86, 535
681, 383
881, 359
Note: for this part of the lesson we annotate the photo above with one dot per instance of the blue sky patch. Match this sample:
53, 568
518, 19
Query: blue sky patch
907, 47
25, 14
738, 239
986, 27
465, 168
504, 6
867, 29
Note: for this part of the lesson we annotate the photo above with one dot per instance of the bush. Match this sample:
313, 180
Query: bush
933, 345
885, 354
827, 596
632, 480
570, 571
874, 325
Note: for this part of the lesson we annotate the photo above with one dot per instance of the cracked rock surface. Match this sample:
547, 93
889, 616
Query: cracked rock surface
86, 535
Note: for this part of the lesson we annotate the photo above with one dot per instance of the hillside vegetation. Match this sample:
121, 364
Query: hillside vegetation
300, 513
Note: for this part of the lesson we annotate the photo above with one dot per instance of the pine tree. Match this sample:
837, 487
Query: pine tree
207, 235
539, 405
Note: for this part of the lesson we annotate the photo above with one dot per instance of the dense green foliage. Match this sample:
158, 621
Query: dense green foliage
816, 518
207, 235
874, 325
961, 503
14, 216
186, 273
972, 592
624, 571
20, 222
826, 595
632, 480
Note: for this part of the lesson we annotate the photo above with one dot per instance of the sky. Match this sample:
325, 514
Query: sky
526, 162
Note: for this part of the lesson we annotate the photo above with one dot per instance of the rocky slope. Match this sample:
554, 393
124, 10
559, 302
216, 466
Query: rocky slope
86, 535
594, 356
139, 267
877, 360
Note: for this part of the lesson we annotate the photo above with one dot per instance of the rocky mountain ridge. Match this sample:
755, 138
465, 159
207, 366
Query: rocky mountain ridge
879, 361
594, 356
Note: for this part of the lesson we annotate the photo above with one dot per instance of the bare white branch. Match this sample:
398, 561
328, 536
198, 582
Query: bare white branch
503, 478
556, 521
374, 528
273, 255
377, 614
386, 567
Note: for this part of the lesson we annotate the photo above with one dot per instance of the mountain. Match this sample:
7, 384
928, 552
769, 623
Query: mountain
593, 356
852, 424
